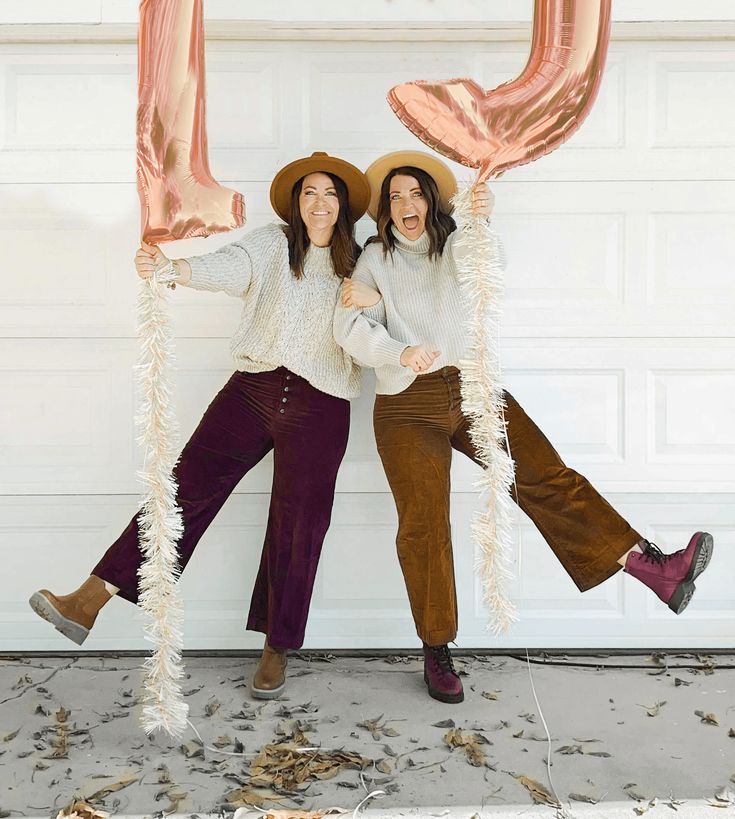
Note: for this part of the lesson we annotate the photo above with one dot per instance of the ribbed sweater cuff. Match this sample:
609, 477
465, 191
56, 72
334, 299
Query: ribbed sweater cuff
376, 312
388, 350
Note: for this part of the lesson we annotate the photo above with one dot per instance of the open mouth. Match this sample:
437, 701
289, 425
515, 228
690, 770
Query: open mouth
320, 213
410, 222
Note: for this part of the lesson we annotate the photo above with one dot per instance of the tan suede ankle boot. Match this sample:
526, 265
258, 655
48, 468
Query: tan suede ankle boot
269, 681
72, 614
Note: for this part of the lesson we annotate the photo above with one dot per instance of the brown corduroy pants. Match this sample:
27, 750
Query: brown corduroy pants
416, 431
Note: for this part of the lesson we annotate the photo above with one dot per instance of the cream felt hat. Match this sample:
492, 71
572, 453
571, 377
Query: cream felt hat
358, 191
438, 170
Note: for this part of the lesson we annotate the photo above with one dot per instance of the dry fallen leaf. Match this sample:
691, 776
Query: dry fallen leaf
708, 718
383, 766
108, 789
641, 809
653, 710
470, 743
725, 794
491, 695
245, 797
582, 797
731, 733
538, 792
192, 749
630, 790
81, 810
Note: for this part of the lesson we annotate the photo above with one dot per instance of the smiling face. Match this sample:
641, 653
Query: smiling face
408, 206
318, 204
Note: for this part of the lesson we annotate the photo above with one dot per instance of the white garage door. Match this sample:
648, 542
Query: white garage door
617, 339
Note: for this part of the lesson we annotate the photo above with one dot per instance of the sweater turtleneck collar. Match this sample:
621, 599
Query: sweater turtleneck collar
419, 246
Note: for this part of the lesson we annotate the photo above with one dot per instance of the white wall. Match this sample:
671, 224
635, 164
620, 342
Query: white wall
618, 330
443, 11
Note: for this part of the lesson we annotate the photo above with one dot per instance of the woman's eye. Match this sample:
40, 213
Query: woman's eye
331, 193
418, 194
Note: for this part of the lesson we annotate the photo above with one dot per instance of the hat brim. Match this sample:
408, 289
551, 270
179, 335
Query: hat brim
438, 170
358, 190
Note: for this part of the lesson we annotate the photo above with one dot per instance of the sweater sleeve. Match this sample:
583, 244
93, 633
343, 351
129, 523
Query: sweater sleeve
362, 332
232, 268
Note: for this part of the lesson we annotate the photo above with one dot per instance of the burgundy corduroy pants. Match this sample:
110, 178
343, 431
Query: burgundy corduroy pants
253, 414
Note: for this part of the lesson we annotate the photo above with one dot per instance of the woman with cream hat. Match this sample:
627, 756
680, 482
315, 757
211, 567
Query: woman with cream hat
403, 313
289, 394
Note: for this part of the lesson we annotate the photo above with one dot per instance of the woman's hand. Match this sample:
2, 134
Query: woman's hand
419, 358
151, 258
358, 294
483, 200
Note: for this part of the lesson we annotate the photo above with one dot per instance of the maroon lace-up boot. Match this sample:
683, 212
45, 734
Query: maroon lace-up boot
439, 675
671, 577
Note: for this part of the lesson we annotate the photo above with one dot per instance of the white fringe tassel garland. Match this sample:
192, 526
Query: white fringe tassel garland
160, 518
481, 277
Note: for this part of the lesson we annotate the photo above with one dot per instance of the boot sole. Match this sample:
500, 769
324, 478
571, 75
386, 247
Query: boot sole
452, 699
702, 556
43, 608
268, 693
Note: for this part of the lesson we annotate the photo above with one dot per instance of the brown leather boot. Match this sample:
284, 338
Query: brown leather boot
269, 681
72, 614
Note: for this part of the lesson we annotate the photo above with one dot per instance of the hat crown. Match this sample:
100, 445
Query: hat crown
320, 153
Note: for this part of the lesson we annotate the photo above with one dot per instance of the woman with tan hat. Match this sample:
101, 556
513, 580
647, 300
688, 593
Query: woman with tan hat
290, 394
404, 314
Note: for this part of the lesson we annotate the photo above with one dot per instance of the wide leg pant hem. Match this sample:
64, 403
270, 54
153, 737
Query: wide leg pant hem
437, 637
596, 572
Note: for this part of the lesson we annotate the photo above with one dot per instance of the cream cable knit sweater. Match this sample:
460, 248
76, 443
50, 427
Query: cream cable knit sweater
422, 304
285, 322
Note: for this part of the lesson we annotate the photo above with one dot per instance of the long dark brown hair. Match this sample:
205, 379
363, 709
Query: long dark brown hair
439, 224
344, 250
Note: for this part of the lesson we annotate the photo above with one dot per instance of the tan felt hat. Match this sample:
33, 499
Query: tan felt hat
437, 169
358, 190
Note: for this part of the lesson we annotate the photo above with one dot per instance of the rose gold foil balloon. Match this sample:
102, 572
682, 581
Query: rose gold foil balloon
178, 196
527, 117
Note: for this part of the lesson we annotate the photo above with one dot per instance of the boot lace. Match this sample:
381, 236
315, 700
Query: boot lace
443, 658
653, 554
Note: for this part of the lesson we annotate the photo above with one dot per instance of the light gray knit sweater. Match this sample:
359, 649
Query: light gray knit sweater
285, 322
422, 304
